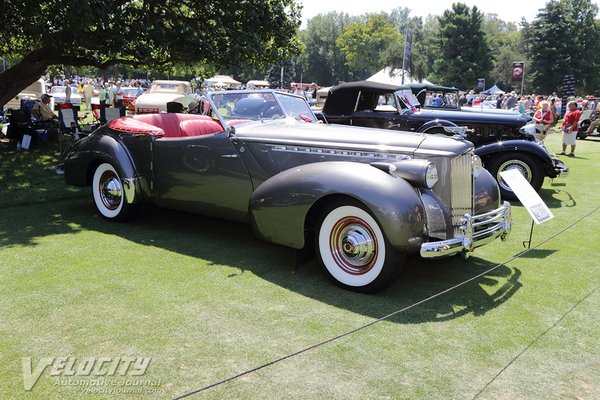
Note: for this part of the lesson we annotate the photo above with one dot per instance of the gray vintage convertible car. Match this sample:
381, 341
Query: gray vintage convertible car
361, 198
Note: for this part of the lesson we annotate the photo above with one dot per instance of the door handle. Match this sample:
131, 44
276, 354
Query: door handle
229, 156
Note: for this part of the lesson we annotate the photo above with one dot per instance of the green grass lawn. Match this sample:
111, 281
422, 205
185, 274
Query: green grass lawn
206, 300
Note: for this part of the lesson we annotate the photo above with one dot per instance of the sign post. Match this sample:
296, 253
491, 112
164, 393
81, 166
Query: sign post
519, 73
481, 84
531, 200
407, 52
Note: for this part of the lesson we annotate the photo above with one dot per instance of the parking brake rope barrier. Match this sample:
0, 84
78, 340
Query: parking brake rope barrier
388, 316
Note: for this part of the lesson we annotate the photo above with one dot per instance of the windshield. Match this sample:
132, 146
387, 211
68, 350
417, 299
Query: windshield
260, 105
169, 88
57, 89
408, 99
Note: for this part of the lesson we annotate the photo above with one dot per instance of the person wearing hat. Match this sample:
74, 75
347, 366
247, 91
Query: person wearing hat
42, 112
44, 116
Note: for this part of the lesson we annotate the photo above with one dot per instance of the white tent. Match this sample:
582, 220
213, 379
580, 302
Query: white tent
221, 80
493, 90
395, 78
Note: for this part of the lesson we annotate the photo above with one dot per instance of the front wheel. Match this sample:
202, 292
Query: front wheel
585, 125
527, 165
108, 194
353, 249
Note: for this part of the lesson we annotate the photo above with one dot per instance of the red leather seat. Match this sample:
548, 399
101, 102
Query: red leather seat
199, 127
169, 125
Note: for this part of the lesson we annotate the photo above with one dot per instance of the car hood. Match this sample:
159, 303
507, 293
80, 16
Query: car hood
291, 132
470, 117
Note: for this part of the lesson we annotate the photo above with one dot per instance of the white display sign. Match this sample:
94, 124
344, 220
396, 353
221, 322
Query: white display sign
530, 199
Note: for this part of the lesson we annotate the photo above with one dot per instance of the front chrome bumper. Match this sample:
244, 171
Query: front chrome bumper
475, 231
560, 168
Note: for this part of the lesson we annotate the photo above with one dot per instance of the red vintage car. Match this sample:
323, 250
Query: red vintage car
130, 93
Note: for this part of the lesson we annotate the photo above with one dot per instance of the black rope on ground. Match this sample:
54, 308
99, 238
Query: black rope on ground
534, 341
388, 316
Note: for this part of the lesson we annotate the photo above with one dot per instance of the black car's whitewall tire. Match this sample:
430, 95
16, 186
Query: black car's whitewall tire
108, 193
353, 249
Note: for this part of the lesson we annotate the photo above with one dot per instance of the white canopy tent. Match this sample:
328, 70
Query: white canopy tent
222, 81
395, 77
493, 90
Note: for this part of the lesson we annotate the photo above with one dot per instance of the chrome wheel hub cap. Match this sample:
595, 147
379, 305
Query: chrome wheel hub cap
519, 165
111, 191
353, 245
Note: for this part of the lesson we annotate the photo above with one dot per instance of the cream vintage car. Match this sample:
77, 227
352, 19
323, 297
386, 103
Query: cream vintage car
162, 92
31, 92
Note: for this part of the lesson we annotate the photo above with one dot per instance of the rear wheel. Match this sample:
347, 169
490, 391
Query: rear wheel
527, 165
353, 249
108, 194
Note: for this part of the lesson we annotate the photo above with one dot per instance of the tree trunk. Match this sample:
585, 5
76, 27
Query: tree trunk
23, 74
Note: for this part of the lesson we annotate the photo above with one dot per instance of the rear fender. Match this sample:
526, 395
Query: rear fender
95, 149
281, 205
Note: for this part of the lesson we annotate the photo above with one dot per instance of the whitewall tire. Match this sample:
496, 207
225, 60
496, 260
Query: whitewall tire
108, 193
353, 249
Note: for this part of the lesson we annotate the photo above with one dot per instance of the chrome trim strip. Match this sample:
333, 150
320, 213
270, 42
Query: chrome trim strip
469, 237
338, 152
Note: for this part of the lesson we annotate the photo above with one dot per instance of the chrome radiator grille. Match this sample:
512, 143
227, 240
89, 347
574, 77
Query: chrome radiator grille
461, 178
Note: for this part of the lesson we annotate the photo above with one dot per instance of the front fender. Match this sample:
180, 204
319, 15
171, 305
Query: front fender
280, 205
99, 148
434, 124
491, 149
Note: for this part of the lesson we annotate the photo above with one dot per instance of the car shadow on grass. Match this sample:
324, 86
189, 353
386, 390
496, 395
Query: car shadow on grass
233, 244
557, 198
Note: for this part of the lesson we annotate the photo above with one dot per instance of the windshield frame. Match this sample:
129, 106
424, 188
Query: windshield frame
276, 95
407, 97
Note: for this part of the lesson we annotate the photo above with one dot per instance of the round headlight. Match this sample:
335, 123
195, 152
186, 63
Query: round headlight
431, 176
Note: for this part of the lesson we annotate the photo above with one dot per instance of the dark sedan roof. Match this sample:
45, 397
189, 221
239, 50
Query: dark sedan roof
342, 98
429, 87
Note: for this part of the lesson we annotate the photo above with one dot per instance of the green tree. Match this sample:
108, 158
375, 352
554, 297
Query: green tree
507, 45
421, 49
322, 60
564, 39
364, 44
464, 53
274, 74
150, 33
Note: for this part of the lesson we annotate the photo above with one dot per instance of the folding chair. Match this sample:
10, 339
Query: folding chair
96, 110
39, 128
108, 114
70, 129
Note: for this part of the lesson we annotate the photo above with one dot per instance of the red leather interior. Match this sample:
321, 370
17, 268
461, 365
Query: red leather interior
169, 125
195, 127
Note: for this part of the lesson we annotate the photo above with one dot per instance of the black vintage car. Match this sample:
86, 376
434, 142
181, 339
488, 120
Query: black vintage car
498, 136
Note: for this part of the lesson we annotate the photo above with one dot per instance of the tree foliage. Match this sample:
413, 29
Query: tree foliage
464, 53
322, 60
564, 39
274, 74
150, 33
364, 43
